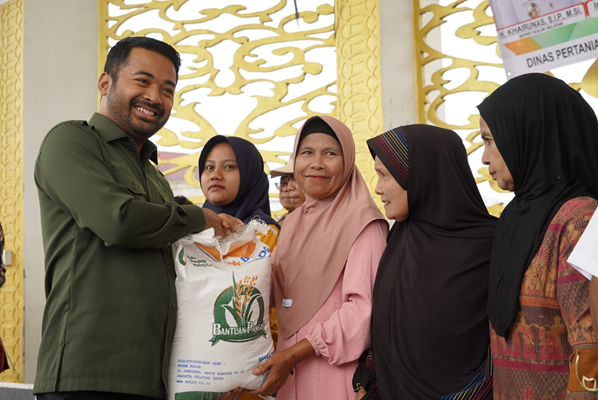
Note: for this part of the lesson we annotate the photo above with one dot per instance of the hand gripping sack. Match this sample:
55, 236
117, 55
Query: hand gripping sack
222, 331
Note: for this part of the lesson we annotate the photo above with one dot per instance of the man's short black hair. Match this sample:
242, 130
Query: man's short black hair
119, 54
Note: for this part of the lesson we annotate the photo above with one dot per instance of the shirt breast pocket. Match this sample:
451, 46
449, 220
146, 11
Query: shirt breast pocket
157, 187
131, 183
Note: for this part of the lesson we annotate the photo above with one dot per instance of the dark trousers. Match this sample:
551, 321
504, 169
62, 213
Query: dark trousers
91, 396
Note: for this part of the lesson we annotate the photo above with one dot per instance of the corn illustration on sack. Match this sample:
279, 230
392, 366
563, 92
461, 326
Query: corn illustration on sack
223, 330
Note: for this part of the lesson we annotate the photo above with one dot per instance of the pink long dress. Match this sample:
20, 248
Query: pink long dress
340, 331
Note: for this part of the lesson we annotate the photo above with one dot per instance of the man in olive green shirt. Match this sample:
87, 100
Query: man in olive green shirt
108, 220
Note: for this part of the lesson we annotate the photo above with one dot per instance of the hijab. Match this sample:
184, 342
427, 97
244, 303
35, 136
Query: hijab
429, 323
252, 198
548, 136
314, 245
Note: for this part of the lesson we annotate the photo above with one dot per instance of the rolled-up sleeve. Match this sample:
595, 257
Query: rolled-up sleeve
346, 334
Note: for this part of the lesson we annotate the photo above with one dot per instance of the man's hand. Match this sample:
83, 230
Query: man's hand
230, 222
213, 220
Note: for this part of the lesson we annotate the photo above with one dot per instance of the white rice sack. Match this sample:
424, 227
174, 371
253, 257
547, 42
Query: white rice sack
223, 330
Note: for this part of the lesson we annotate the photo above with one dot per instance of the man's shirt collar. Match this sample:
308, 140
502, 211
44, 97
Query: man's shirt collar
109, 131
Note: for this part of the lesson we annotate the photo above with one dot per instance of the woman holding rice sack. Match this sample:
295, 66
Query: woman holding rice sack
541, 142
430, 334
233, 180
324, 269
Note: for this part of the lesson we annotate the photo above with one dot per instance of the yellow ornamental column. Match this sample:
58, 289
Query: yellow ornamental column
358, 78
11, 182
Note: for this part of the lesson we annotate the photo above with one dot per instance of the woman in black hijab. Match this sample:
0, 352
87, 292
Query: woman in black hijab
541, 141
429, 324
252, 186
232, 177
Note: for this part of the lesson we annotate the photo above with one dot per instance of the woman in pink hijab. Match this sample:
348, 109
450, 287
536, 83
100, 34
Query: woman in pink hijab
324, 269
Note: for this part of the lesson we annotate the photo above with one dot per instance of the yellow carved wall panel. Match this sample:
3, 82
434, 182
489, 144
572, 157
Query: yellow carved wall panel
458, 65
359, 82
253, 70
11, 182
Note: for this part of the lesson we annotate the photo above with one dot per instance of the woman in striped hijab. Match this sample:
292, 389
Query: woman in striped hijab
429, 324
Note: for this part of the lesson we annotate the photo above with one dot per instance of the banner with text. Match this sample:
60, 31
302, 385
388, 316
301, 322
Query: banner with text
539, 35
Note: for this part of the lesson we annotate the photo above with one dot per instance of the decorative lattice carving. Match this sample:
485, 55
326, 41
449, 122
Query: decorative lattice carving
265, 70
11, 182
457, 69
281, 71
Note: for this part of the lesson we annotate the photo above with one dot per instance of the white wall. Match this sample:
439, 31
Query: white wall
398, 63
60, 77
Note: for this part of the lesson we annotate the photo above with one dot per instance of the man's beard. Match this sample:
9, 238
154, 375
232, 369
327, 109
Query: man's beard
121, 113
